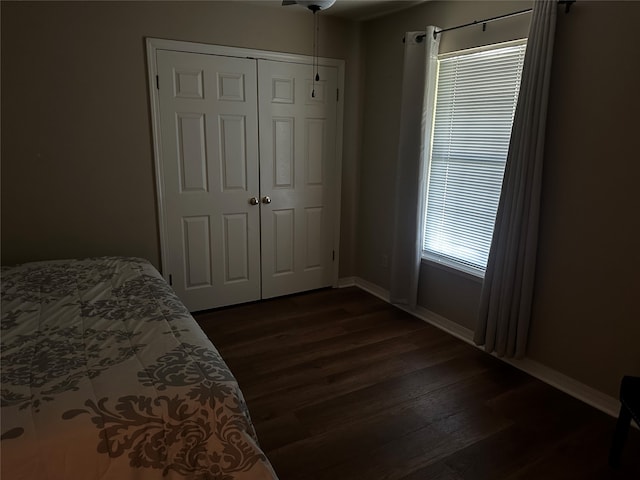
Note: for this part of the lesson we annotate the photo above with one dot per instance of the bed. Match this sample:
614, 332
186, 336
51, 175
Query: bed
105, 375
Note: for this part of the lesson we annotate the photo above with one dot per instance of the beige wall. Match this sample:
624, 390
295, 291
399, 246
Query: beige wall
586, 315
77, 167
77, 163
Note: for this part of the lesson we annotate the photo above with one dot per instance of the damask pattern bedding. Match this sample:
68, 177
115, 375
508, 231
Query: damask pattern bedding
105, 375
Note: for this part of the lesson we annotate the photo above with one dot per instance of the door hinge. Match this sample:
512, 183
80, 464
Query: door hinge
157, 82
337, 94
333, 255
170, 279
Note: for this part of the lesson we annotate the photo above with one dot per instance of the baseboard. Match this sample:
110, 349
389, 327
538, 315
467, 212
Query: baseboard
373, 289
344, 282
452, 328
568, 385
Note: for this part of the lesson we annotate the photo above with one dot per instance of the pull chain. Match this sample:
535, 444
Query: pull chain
316, 34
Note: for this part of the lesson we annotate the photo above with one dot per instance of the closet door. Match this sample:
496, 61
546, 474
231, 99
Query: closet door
209, 167
297, 175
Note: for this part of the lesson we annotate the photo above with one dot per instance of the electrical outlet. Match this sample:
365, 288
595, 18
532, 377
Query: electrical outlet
384, 261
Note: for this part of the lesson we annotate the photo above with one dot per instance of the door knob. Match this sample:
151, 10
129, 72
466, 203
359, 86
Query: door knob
266, 199
254, 201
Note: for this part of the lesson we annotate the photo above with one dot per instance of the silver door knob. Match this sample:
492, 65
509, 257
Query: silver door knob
266, 199
254, 201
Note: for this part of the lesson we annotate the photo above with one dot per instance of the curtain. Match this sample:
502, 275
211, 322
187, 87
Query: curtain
507, 291
416, 114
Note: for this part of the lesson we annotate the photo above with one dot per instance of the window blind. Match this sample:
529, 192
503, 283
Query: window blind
476, 98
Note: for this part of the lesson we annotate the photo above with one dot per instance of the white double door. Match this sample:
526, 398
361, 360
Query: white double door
248, 194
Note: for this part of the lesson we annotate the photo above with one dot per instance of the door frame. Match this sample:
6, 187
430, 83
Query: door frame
155, 44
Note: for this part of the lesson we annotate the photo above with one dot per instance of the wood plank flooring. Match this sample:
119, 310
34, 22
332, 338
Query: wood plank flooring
341, 385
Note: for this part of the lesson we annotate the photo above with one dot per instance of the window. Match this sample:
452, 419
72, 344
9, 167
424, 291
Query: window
476, 96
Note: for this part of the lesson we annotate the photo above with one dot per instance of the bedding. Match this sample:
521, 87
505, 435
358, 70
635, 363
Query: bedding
105, 375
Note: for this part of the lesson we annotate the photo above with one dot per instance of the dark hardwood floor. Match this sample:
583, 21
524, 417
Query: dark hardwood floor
341, 385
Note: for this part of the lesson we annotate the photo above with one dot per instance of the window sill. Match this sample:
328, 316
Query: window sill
434, 262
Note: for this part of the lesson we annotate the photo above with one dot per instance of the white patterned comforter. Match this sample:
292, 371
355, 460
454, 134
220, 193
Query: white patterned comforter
105, 375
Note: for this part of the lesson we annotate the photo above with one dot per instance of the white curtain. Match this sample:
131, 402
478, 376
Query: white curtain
419, 77
507, 292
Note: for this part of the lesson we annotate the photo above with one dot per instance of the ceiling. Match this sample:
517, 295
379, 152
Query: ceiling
367, 9
354, 9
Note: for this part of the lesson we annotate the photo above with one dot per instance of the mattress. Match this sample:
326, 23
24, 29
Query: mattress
105, 375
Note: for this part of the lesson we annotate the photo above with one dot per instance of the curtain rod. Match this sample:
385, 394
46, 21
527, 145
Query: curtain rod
566, 3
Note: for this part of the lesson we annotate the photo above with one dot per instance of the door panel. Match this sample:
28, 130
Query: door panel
297, 157
283, 153
196, 244
236, 248
191, 152
313, 236
209, 138
283, 244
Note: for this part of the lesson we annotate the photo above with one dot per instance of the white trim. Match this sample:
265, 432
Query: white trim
562, 382
451, 269
337, 186
438, 321
344, 282
452, 265
373, 289
568, 385
209, 49
155, 44
157, 153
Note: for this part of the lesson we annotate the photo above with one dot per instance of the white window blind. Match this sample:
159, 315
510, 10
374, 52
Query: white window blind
476, 97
